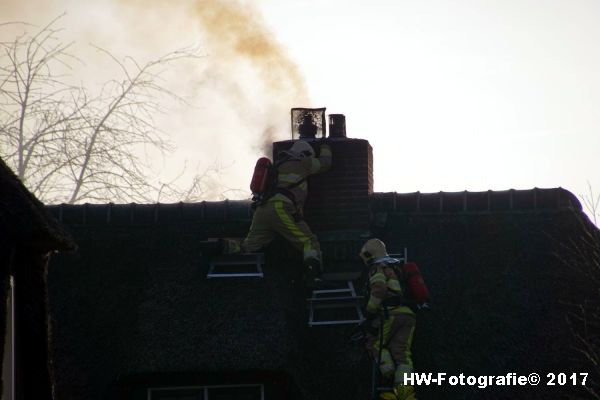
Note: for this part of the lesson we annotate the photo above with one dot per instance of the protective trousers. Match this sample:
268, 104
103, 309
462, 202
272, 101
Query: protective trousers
395, 350
278, 217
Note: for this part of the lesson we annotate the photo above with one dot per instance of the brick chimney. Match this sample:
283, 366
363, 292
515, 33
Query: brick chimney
339, 198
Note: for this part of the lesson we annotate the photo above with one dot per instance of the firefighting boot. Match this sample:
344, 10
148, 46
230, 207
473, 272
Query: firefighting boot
405, 392
228, 246
388, 396
312, 274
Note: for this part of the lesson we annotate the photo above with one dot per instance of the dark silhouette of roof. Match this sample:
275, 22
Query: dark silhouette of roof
134, 307
25, 219
28, 233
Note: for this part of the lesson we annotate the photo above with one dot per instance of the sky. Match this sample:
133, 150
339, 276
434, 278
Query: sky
452, 95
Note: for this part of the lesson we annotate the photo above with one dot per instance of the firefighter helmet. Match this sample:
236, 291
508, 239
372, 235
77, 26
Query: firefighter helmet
301, 149
372, 249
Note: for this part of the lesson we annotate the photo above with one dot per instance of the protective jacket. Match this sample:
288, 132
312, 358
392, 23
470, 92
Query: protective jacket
386, 293
296, 170
282, 213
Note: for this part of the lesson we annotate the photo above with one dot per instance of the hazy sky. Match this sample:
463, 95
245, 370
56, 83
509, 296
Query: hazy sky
453, 95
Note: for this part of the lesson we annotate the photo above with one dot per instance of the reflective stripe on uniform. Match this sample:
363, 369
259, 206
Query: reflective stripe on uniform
373, 304
377, 277
289, 178
278, 197
387, 327
289, 224
409, 346
394, 285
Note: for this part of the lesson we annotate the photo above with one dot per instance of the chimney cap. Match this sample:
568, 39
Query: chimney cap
308, 123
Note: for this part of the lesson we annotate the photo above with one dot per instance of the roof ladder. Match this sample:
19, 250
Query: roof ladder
403, 257
378, 387
335, 306
243, 265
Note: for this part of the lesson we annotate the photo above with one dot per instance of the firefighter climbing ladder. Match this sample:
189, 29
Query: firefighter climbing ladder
377, 387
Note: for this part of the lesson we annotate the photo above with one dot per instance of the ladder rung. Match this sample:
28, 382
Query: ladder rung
236, 275
224, 262
335, 298
340, 322
329, 306
325, 291
331, 299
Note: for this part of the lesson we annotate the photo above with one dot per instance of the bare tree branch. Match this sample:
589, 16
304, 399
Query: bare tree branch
591, 203
581, 257
68, 145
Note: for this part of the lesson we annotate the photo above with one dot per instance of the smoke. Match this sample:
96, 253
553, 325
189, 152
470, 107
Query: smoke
245, 85
239, 35
246, 69
242, 89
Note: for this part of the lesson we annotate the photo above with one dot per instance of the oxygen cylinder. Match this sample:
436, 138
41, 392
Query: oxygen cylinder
261, 176
415, 283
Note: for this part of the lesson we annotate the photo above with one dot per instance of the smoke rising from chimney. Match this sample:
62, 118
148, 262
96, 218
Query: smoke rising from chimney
237, 33
245, 64
242, 89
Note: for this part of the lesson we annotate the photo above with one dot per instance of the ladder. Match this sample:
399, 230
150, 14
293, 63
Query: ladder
336, 305
238, 265
403, 256
243, 265
376, 386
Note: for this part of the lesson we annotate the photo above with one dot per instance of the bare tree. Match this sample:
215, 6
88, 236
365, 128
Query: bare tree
36, 108
69, 145
580, 257
591, 203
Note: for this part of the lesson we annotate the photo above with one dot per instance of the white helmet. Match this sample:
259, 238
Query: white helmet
301, 149
372, 249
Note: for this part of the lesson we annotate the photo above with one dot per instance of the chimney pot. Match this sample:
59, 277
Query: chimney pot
337, 126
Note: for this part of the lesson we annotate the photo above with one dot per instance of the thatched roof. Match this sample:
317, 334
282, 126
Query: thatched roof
142, 305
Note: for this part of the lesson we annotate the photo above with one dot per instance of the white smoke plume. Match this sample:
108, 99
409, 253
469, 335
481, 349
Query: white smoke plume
241, 90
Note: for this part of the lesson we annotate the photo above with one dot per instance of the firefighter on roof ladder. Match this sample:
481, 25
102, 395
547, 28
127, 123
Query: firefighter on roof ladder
391, 317
281, 211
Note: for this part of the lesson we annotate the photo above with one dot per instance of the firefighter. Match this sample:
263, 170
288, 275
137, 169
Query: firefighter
282, 213
389, 316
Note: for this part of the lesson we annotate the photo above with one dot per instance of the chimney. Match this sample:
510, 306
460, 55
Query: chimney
338, 199
337, 125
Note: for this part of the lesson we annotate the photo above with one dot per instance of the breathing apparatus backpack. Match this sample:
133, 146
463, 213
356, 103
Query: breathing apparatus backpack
415, 285
264, 181
415, 293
